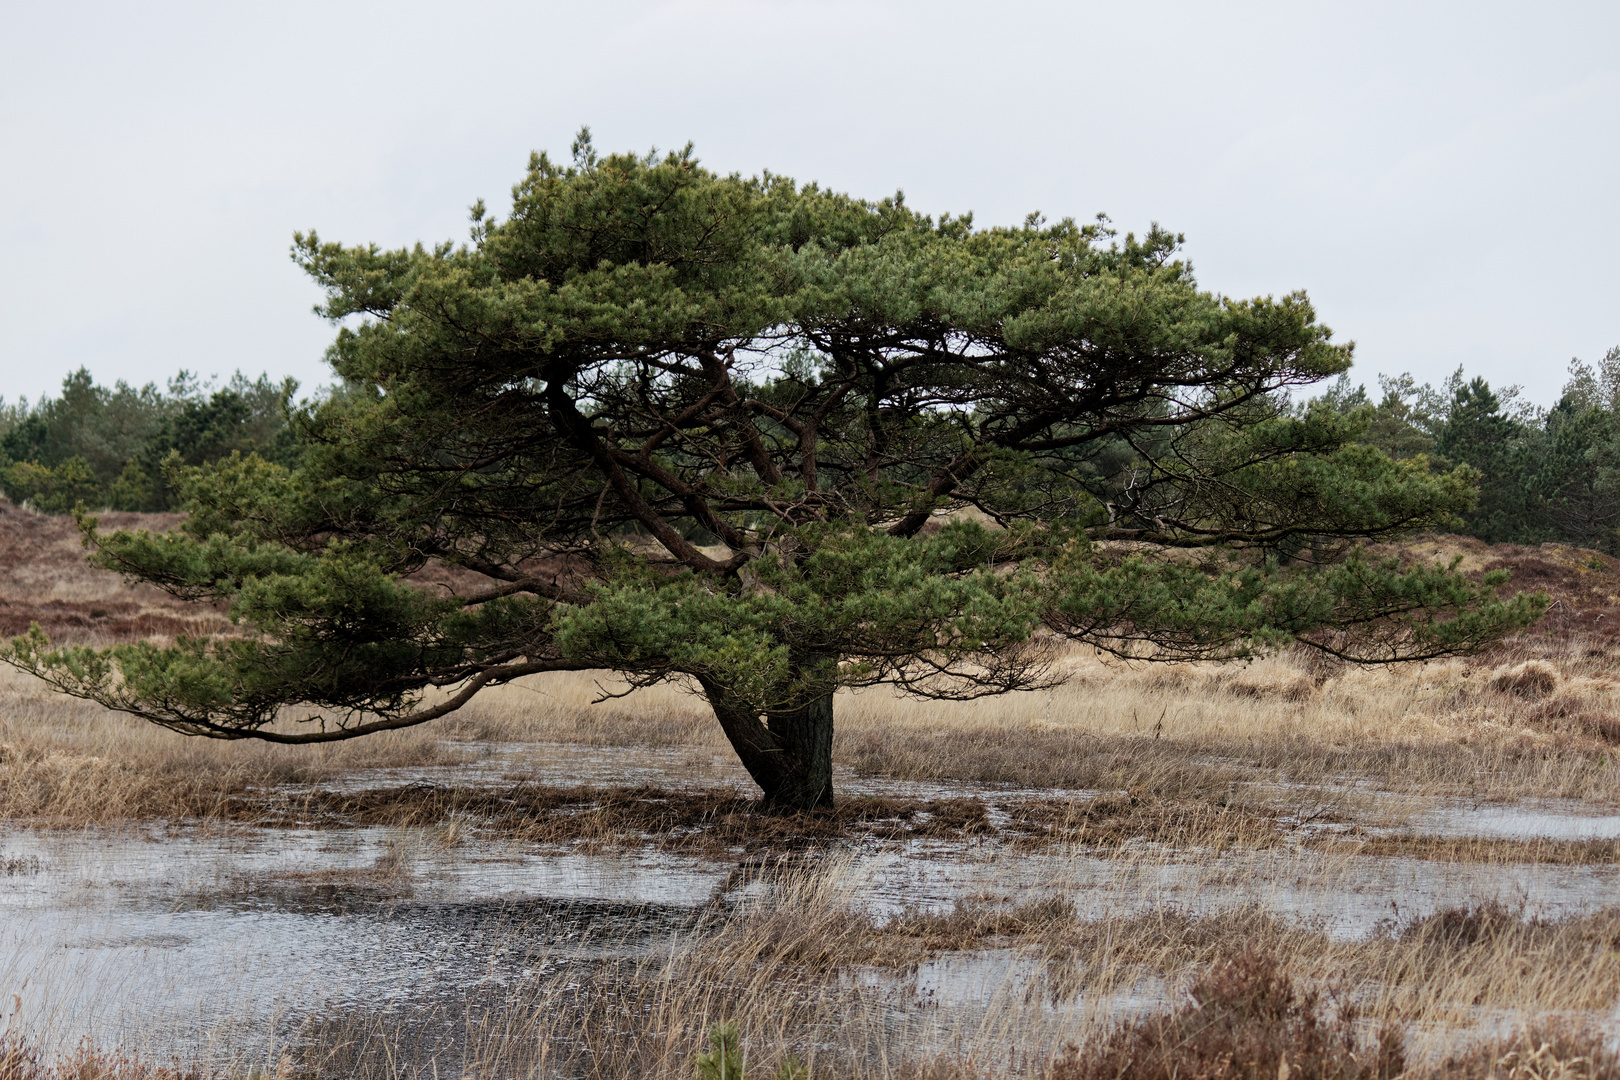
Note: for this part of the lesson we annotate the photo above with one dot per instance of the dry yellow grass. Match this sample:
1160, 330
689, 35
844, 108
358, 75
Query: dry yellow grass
1500, 729
67, 762
1444, 727
1439, 728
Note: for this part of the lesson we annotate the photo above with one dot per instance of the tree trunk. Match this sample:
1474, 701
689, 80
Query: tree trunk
805, 735
791, 760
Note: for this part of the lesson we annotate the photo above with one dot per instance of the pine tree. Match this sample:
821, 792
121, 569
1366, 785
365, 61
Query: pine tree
772, 441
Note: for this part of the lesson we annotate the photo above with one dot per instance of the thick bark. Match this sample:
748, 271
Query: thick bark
754, 743
791, 760
805, 734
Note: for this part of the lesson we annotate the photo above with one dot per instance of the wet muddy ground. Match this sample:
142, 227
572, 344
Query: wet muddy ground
181, 939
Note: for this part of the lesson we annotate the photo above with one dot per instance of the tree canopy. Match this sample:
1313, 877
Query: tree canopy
115, 446
1544, 474
774, 440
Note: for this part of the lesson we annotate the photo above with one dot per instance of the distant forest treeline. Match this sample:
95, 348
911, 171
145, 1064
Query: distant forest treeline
115, 447
1544, 474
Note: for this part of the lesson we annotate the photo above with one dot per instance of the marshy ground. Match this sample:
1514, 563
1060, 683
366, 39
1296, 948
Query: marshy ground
1193, 871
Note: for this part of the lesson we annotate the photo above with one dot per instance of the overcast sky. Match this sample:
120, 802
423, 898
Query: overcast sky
1441, 178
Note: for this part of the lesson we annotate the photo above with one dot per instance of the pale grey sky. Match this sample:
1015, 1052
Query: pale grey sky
1440, 177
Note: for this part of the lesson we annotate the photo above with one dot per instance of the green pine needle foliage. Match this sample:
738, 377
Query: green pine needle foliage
724, 1060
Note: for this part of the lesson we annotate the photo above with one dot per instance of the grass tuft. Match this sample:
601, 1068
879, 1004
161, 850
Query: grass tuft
1244, 1020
